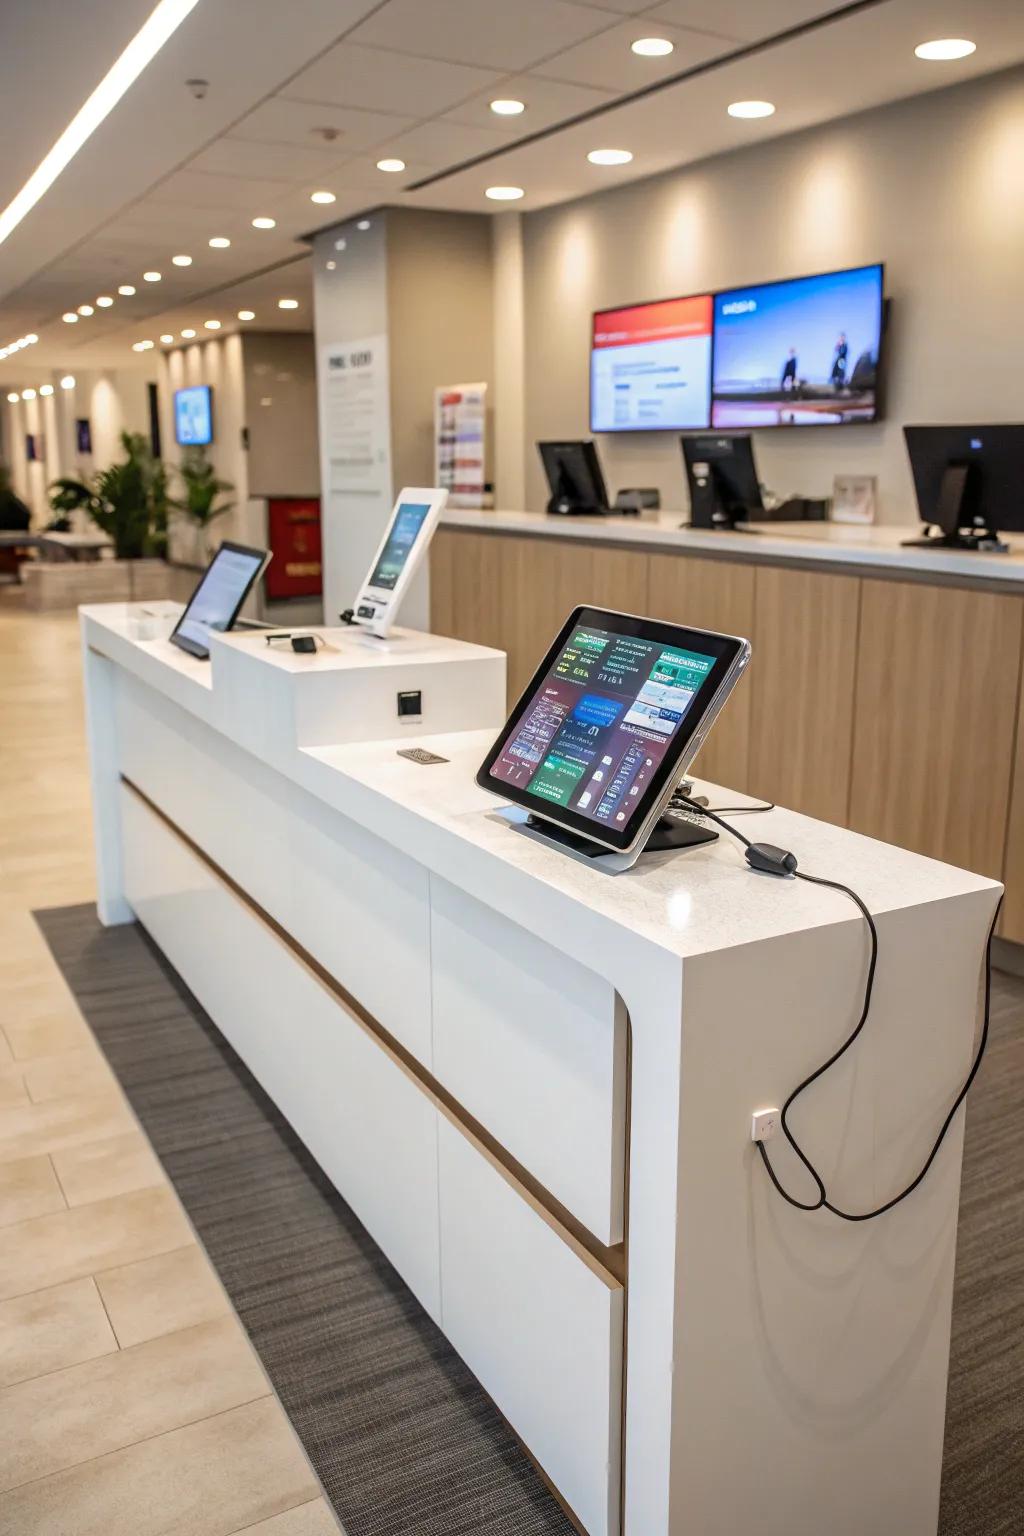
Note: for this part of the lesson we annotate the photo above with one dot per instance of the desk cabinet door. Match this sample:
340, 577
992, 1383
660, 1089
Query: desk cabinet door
936, 701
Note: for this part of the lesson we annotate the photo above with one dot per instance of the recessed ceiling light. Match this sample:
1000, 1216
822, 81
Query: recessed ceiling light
181, 261
363, 224
942, 48
68, 381
220, 242
507, 106
104, 301
751, 108
247, 314
46, 389
28, 394
166, 339
151, 277
187, 335
610, 156
70, 318
391, 165
505, 194
126, 289
166, 17
331, 265
86, 309
652, 47
13, 397
322, 197
287, 303
212, 325
264, 223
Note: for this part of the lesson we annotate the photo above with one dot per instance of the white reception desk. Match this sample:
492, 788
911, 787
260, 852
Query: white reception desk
533, 1083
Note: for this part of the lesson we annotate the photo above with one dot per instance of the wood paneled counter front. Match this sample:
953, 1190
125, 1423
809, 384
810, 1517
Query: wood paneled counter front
884, 692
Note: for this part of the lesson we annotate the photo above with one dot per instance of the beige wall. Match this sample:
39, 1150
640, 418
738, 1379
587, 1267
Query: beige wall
439, 324
933, 187
113, 400
280, 410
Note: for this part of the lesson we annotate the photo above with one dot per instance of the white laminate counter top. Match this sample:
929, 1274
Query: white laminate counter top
687, 904
823, 544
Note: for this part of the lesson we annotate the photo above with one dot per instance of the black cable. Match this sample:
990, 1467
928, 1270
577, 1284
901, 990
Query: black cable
823, 1202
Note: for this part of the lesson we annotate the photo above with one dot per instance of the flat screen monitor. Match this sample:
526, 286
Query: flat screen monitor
217, 600
574, 477
968, 478
609, 722
722, 480
406, 540
650, 366
193, 416
804, 352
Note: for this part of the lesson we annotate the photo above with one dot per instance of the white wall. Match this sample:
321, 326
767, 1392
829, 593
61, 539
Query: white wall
933, 187
509, 404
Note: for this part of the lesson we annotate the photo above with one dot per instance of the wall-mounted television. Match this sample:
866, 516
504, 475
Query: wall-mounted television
193, 416
650, 366
803, 352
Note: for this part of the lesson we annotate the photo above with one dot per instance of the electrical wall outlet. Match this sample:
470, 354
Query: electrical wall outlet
764, 1124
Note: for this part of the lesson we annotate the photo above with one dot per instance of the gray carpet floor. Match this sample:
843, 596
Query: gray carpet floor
403, 1437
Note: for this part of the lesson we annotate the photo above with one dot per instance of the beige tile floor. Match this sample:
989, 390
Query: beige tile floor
131, 1403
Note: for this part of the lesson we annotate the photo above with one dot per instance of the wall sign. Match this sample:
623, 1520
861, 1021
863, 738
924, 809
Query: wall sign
460, 419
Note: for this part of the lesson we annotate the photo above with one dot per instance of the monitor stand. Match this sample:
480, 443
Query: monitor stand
982, 541
669, 832
953, 516
562, 504
721, 525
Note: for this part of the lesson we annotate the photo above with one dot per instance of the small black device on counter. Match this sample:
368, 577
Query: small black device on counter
645, 499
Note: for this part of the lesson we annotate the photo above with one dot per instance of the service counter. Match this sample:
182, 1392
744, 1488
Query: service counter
533, 1082
884, 689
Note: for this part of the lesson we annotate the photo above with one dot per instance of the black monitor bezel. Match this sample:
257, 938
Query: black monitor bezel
815, 426
726, 648
174, 403
610, 309
191, 646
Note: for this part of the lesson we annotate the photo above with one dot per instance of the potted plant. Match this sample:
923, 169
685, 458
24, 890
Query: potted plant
201, 501
127, 501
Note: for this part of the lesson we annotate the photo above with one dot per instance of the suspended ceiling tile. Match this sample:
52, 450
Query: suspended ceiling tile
375, 79
494, 33
276, 162
196, 189
442, 143
284, 121
607, 61
547, 102
741, 19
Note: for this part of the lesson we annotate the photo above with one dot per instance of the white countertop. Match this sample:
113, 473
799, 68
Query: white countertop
825, 543
687, 903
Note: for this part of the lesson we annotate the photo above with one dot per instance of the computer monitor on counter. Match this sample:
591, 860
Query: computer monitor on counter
969, 483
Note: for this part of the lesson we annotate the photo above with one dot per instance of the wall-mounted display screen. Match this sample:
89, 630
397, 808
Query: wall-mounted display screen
650, 366
193, 416
798, 353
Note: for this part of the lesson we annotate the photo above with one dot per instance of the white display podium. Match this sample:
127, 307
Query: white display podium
533, 1083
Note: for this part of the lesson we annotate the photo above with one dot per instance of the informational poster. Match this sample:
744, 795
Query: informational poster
460, 418
355, 416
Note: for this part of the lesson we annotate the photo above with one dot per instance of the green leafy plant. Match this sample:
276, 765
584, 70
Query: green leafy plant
127, 501
201, 489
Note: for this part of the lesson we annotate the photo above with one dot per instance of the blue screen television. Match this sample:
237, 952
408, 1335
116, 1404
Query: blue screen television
193, 416
803, 352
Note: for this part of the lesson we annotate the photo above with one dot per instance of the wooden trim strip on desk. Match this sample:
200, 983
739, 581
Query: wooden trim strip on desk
608, 1264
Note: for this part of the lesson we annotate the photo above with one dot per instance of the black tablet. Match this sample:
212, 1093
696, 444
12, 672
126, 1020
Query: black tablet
609, 722
217, 600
